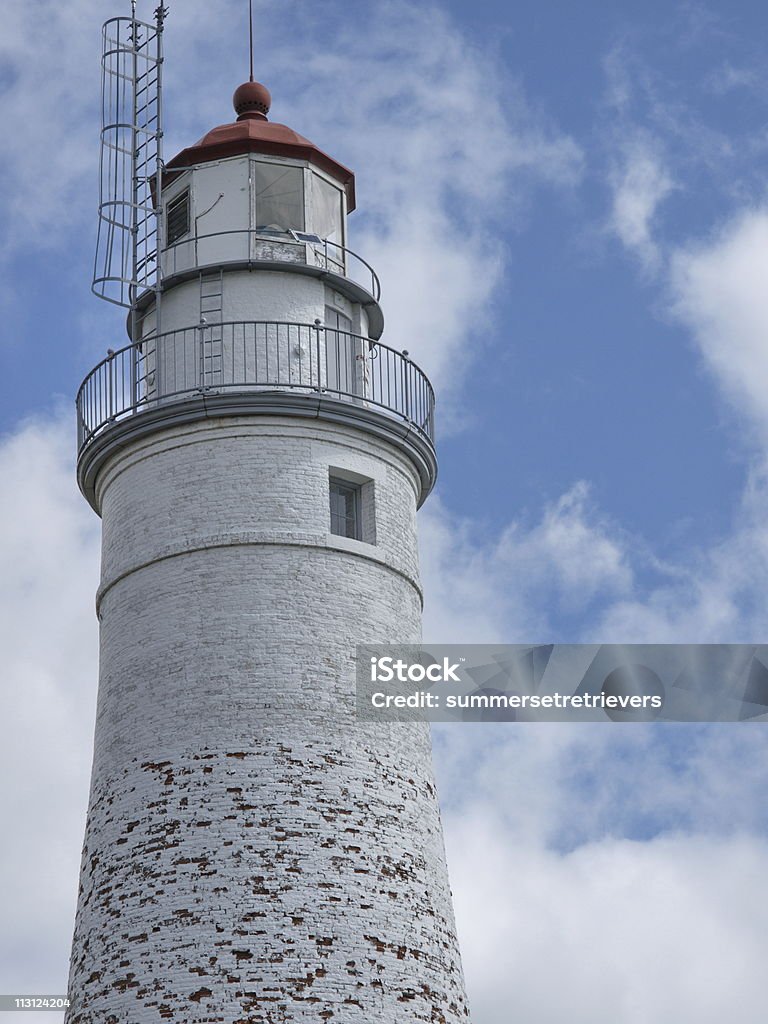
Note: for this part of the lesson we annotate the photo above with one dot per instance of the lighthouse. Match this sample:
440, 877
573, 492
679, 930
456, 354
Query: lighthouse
257, 454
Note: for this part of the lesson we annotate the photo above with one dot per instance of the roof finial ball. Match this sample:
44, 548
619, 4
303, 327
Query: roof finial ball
252, 100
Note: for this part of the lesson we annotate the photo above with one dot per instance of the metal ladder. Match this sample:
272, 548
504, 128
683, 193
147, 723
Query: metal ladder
211, 311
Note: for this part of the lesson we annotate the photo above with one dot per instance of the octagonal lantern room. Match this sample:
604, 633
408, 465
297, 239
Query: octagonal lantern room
257, 195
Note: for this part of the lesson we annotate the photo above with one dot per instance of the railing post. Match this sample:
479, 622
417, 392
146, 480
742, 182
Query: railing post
318, 328
134, 374
110, 384
201, 348
406, 388
81, 403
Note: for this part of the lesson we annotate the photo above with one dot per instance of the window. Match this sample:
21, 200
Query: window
278, 196
327, 215
177, 218
345, 509
352, 505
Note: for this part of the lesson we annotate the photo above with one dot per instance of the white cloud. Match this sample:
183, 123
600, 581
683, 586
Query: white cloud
48, 109
640, 183
728, 77
516, 587
49, 544
667, 930
714, 285
718, 289
560, 786
561, 914
511, 588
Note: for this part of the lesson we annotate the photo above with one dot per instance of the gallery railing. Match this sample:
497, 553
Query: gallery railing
220, 247
251, 357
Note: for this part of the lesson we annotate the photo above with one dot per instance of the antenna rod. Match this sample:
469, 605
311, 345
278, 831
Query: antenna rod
250, 27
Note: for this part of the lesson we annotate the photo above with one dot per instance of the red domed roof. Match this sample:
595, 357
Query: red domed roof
253, 133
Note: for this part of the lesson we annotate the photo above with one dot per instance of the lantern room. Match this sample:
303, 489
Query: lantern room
256, 195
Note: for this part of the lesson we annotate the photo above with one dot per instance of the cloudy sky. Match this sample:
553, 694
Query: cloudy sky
567, 206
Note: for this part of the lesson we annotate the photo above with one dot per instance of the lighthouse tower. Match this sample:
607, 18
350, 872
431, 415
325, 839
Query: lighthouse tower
257, 455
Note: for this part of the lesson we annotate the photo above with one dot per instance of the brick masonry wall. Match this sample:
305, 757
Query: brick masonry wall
251, 853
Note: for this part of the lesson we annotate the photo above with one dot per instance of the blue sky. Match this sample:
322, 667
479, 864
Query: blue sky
567, 207
606, 383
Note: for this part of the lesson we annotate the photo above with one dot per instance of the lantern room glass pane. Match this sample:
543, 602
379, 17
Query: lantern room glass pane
327, 210
278, 196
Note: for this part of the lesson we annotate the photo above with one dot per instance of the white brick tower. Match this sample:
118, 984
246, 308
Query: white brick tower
252, 853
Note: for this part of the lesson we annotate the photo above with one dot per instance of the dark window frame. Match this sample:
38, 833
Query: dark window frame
348, 524
174, 231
